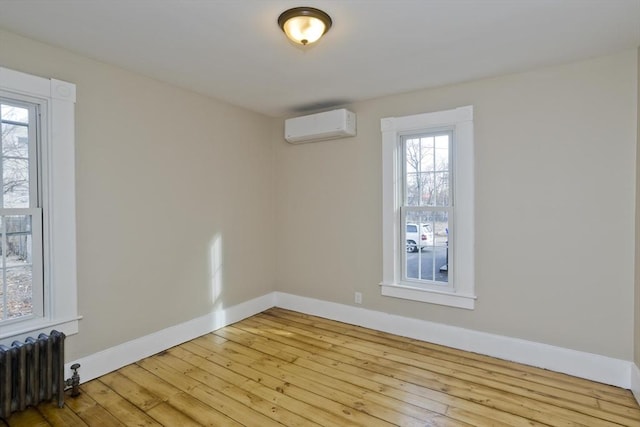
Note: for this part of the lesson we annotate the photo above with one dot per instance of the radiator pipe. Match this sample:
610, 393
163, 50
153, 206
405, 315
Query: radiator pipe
74, 381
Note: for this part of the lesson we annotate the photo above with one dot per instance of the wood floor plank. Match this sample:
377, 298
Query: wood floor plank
488, 387
60, 417
514, 421
152, 385
200, 412
543, 393
321, 408
98, 416
573, 384
214, 398
91, 412
236, 392
186, 400
338, 392
125, 389
283, 368
528, 408
167, 415
124, 410
29, 417
256, 384
482, 412
81, 403
410, 393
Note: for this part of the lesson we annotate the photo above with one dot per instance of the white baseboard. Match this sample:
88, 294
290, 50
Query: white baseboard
635, 382
594, 367
581, 364
103, 362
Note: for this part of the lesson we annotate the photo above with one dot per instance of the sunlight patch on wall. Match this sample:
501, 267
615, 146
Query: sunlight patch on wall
215, 267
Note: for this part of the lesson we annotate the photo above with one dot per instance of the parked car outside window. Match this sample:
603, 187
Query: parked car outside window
418, 240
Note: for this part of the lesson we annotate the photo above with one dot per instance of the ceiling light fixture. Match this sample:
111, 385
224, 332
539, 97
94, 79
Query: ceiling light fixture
304, 25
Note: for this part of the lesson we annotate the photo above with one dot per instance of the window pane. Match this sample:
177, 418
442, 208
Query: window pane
413, 187
440, 228
16, 268
15, 157
442, 153
14, 114
427, 250
17, 240
15, 140
19, 292
412, 153
440, 189
426, 154
427, 189
15, 179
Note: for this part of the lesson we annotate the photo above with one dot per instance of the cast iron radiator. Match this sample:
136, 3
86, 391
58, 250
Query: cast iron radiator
31, 372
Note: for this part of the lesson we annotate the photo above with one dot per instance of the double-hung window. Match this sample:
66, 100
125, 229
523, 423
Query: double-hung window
428, 207
38, 290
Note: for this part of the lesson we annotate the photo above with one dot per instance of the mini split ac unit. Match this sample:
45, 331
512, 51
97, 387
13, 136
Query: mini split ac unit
320, 127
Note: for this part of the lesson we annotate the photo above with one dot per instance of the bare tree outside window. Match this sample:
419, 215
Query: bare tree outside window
15, 157
427, 171
16, 291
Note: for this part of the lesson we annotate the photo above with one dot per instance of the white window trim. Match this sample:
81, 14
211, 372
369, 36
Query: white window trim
57, 99
461, 121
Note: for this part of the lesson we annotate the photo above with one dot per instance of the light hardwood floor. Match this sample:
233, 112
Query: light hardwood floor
285, 368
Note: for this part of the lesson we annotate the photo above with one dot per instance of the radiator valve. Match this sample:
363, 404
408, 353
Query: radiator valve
74, 381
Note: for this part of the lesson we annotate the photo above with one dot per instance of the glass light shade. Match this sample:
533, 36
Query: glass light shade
304, 25
304, 29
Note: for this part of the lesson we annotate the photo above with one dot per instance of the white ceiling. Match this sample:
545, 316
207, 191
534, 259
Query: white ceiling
234, 50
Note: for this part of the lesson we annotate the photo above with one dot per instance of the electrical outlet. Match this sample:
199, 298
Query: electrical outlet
358, 297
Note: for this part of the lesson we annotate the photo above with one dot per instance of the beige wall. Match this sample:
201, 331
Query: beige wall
555, 202
161, 173
637, 269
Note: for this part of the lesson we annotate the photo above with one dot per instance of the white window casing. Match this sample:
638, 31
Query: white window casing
56, 99
461, 292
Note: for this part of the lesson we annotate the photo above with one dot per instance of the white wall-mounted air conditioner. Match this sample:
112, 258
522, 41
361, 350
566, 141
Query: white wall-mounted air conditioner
321, 126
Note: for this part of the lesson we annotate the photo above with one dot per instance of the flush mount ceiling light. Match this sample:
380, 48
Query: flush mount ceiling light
304, 25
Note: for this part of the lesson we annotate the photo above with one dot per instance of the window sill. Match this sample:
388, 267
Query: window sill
20, 331
451, 299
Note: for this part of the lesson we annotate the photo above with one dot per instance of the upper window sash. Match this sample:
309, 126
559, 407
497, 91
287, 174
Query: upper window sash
418, 169
32, 124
